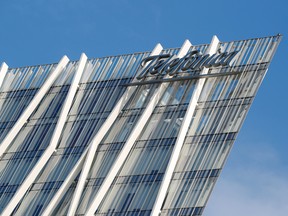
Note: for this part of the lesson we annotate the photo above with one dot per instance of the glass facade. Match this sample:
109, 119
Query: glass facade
141, 139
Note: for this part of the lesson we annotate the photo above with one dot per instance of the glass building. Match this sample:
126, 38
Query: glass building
138, 134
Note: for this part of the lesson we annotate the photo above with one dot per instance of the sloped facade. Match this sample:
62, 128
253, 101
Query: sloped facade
139, 134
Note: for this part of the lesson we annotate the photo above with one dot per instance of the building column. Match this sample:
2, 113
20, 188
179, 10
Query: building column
32, 106
182, 134
53, 143
3, 72
131, 140
65, 185
88, 155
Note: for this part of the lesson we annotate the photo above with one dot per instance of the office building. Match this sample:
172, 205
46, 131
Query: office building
137, 134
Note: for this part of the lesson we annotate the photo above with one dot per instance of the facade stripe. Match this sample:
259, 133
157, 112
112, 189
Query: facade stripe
97, 139
31, 107
54, 140
132, 138
182, 134
3, 72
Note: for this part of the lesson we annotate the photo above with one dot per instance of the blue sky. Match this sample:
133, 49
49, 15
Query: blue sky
255, 179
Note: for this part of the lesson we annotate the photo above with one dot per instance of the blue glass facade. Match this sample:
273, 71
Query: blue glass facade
220, 109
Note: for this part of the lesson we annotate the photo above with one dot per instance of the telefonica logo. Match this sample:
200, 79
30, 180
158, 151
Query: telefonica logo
161, 65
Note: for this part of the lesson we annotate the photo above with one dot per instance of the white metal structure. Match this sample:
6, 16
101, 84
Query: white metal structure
132, 138
3, 71
53, 143
97, 139
139, 134
182, 133
36, 100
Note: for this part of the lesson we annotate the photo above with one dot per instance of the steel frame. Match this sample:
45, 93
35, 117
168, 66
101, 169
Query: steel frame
54, 140
181, 135
130, 141
3, 72
87, 156
32, 106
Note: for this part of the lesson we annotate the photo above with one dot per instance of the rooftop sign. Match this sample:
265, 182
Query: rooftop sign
164, 64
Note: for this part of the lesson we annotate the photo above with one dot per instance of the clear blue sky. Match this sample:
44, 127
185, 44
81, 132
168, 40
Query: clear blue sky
255, 179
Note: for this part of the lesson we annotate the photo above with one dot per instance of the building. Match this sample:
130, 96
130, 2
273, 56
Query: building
140, 134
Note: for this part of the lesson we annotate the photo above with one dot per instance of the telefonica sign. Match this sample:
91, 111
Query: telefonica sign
161, 65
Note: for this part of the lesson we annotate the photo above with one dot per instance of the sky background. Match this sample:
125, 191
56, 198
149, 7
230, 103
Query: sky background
255, 178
